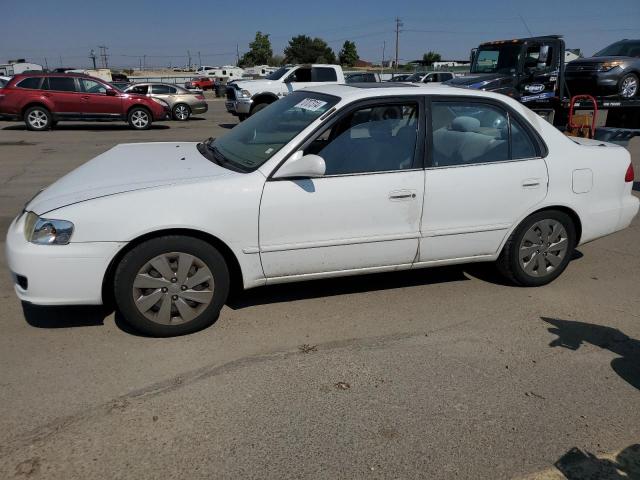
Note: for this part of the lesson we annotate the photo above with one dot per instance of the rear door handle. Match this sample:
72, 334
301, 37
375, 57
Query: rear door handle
399, 195
531, 183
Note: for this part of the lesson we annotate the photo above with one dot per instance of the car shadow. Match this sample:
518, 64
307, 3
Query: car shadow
228, 126
64, 316
572, 334
580, 465
330, 287
90, 127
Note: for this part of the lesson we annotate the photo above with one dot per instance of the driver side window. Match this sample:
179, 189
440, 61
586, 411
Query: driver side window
300, 75
376, 138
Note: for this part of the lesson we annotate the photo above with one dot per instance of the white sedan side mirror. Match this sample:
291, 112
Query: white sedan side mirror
302, 166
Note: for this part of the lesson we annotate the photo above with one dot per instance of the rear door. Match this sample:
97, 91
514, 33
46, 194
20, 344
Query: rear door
96, 103
485, 173
64, 94
164, 92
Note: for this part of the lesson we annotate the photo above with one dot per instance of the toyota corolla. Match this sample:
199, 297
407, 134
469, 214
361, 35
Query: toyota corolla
338, 180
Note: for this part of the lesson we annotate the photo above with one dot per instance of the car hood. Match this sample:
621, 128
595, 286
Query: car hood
591, 60
255, 85
126, 168
476, 80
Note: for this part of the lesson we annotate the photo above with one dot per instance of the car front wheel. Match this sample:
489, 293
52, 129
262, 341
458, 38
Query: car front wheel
539, 249
139, 118
171, 285
628, 86
37, 118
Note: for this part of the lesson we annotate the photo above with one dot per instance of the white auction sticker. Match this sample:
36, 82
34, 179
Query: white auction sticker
311, 104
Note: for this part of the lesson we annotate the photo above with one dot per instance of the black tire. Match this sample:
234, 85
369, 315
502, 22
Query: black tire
135, 118
176, 112
37, 118
258, 107
138, 257
242, 117
509, 261
629, 77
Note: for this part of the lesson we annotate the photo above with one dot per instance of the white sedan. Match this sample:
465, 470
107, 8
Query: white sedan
338, 180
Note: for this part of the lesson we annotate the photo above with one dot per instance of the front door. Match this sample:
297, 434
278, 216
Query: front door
365, 212
97, 104
486, 173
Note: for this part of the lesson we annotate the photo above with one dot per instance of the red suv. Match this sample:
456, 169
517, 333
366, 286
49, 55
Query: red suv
203, 83
43, 99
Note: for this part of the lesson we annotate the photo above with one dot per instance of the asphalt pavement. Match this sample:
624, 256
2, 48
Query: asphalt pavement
439, 373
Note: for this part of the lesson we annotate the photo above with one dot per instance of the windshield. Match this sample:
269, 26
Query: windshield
254, 141
620, 49
496, 59
416, 77
278, 73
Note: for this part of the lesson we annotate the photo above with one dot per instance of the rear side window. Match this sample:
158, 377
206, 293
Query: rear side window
30, 83
163, 89
139, 89
466, 133
62, 84
321, 74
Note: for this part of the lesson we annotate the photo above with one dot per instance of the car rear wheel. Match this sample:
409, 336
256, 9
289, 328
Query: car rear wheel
628, 86
37, 118
181, 112
139, 118
539, 250
171, 285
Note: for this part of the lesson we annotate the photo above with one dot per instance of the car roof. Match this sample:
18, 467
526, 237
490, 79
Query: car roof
52, 74
355, 91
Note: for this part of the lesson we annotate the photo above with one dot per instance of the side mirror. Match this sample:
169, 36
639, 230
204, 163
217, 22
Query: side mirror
111, 92
544, 54
302, 166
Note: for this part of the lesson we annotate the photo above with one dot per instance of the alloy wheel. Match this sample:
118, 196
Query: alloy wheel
140, 119
543, 248
629, 87
37, 119
182, 112
173, 288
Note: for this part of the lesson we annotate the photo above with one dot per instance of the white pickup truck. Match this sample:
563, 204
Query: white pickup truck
246, 97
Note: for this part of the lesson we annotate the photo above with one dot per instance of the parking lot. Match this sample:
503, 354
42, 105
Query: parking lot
438, 373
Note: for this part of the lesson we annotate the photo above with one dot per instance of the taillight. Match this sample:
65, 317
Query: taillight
200, 97
629, 176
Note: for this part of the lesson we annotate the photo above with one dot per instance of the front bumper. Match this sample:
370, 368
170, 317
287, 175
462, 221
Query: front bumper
57, 274
594, 82
240, 106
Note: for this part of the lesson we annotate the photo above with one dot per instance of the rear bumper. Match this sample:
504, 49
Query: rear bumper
200, 108
630, 207
57, 274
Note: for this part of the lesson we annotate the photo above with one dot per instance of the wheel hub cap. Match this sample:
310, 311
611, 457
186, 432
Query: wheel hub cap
139, 119
629, 87
37, 118
543, 248
173, 288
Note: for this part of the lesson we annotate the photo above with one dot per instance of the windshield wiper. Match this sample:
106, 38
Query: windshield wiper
218, 157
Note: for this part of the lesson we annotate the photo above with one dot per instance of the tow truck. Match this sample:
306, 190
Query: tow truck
532, 70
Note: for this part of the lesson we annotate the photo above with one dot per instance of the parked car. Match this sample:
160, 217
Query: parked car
119, 77
121, 85
201, 83
247, 97
42, 100
362, 77
400, 78
182, 102
505, 187
4, 81
613, 70
429, 77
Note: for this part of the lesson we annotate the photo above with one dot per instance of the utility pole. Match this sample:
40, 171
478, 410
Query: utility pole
46, 64
384, 47
189, 60
144, 60
398, 25
199, 59
92, 56
60, 61
237, 55
140, 61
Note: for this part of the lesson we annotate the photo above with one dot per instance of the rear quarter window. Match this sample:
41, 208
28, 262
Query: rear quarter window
324, 75
31, 83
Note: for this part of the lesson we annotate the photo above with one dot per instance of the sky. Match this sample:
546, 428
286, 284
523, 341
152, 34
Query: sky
63, 32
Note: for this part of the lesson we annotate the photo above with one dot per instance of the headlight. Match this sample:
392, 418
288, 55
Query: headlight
606, 66
45, 231
160, 101
245, 93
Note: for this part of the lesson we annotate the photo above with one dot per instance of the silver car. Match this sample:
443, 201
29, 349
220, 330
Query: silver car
182, 102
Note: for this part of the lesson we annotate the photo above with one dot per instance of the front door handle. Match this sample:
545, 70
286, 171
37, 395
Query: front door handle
399, 195
531, 183
85, 97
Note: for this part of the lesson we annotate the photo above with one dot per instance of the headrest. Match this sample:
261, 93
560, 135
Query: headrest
465, 124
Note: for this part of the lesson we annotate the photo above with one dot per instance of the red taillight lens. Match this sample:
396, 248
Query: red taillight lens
629, 176
200, 97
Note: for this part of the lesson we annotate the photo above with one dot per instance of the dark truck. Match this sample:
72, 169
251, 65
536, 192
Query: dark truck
533, 71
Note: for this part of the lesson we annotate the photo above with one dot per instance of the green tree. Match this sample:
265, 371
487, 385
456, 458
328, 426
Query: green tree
260, 51
430, 57
349, 54
304, 49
